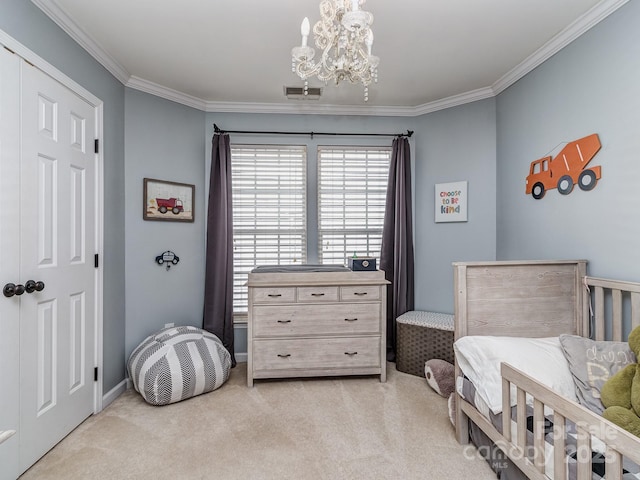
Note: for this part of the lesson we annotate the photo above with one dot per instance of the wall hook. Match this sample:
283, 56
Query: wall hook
167, 258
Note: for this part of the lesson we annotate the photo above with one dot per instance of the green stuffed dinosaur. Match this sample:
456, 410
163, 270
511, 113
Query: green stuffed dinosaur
620, 394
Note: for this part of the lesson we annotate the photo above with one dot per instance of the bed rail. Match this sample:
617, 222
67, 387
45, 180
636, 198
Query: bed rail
530, 459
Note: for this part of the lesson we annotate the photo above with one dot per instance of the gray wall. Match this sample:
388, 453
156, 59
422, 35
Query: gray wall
163, 140
591, 86
28, 25
456, 144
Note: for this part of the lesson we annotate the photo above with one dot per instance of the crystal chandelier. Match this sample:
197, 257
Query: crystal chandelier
344, 36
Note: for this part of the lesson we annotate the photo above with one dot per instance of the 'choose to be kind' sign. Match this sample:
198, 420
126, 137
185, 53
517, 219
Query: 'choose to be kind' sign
451, 202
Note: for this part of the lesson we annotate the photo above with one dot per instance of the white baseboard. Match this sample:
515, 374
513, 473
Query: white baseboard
114, 393
241, 357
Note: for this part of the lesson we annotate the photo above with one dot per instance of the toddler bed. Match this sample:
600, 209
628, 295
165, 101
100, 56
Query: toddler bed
547, 373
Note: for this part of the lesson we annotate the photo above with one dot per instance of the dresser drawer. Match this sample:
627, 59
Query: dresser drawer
365, 293
317, 294
318, 353
306, 320
274, 295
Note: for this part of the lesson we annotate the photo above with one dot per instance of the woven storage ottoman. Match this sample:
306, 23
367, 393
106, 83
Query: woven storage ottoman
421, 337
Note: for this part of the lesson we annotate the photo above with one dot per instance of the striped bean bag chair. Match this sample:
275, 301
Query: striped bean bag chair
178, 363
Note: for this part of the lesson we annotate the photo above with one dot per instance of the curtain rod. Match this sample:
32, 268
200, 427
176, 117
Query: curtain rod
217, 129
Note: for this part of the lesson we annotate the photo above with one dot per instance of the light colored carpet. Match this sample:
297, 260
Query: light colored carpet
331, 428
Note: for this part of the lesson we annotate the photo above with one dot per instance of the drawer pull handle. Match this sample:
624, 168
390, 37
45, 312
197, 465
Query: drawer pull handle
350, 319
284, 321
274, 295
317, 294
360, 294
351, 354
286, 355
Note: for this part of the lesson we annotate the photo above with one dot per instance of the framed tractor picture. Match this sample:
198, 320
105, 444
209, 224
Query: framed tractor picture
168, 201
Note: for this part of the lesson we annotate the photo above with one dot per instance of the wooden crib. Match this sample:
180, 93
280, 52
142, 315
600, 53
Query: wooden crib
544, 299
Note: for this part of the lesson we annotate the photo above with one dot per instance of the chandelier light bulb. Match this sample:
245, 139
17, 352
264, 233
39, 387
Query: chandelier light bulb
369, 41
305, 28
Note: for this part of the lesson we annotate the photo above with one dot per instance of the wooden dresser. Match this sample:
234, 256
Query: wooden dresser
305, 324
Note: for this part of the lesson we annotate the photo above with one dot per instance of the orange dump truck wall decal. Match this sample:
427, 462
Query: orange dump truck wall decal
566, 169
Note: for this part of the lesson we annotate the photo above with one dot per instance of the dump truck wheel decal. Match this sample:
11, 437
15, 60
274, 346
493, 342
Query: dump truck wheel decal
587, 180
537, 191
162, 209
565, 185
175, 210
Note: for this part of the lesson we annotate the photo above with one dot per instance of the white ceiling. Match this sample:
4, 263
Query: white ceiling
234, 55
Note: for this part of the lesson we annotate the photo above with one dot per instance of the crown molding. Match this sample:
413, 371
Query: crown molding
454, 101
574, 30
161, 91
364, 110
55, 13
598, 13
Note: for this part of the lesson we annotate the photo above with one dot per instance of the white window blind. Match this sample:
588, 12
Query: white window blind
352, 189
269, 210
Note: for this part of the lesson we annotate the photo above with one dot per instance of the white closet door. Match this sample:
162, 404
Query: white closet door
58, 243
9, 261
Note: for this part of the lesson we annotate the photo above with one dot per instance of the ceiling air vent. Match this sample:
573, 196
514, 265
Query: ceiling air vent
297, 93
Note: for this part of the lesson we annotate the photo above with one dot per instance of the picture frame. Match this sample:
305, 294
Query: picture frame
167, 201
451, 202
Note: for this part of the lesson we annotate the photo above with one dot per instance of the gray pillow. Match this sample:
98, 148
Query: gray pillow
591, 364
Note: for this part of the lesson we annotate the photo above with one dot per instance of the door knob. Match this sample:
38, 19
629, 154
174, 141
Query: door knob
30, 286
11, 289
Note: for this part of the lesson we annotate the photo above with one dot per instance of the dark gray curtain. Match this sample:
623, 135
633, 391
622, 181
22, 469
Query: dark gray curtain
218, 286
396, 257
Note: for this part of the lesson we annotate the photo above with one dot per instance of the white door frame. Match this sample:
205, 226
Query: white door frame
31, 57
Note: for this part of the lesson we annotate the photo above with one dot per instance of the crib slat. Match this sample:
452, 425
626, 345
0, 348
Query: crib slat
583, 454
538, 435
616, 298
613, 467
506, 407
635, 310
599, 312
559, 447
521, 419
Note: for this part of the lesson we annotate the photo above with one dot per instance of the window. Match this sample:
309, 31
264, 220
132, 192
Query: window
269, 210
270, 224
352, 189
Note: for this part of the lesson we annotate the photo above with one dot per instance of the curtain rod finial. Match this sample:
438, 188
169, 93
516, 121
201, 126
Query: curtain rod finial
216, 129
409, 133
